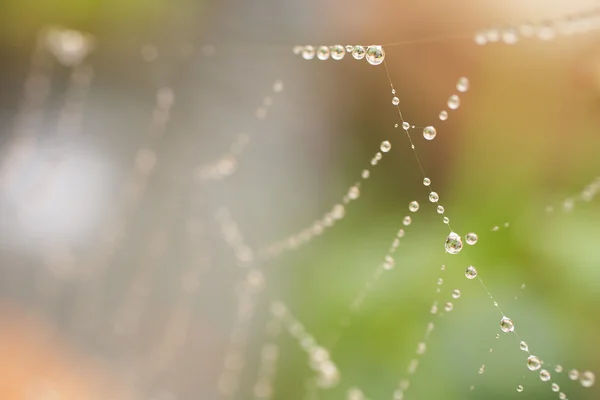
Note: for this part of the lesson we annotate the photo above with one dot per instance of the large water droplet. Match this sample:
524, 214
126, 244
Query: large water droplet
337, 52
308, 53
405, 126
385, 146
375, 55
433, 197
506, 324
545, 375
358, 52
573, 374
413, 206
440, 209
470, 272
429, 132
555, 387
520, 388
471, 238
323, 53
587, 379
453, 102
395, 101
453, 243
533, 363
463, 84
426, 181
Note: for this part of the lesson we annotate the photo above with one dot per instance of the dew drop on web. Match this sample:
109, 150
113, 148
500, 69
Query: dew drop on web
375, 55
453, 102
385, 146
413, 206
433, 197
453, 243
506, 325
471, 238
429, 132
471, 272
533, 363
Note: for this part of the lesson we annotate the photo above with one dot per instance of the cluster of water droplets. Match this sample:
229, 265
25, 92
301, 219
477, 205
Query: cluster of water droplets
543, 30
453, 102
374, 54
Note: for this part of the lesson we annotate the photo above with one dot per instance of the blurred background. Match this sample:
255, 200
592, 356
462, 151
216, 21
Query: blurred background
150, 149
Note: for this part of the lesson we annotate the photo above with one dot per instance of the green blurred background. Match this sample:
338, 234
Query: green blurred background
525, 137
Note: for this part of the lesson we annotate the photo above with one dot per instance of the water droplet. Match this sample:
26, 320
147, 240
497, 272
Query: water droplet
555, 387
421, 348
573, 374
338, 211
358, 52
375, 55
429, 132
389, 262
449, 306
440, 209
533, 363
456, 293
385, 146
433, 197
440, 282
463, 84
446, 220
308, 53
453, 102
510, 36
434, 308
378, 156
481, 369
443, 268
413, 206
524, 346
406, 221
365, 174
297, 49
562, 396
497, 336
323, 53
395, 101
453, 243
506, 324
470, 272
349, 48
587, 379
337, 52
278, 86
520, 388
400, 233
405, 126
471, 238
426, 181
545, 375
558, 368
443, 115
480, 38
354, 192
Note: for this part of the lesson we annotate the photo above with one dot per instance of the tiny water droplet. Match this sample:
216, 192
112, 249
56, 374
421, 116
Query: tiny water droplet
440, 281
545, 375
481, 369
308, 53
421, 348
434, 308
470, 272
375, 55
440, 209
463, 84
497, 336
449, 306
533, 363
446, 220
555, 387
471, 238
456, 293
558, 368
426, 181
405, 126
453, 102
406, 221
573, 374
433, 197
365, 174
349, 48
395, 101
337, 52
413, 206
520, 388
358, 52
388, 262
523, 346
354, 192
562, 396
443, 115
453, 244
385, 146
429, 132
